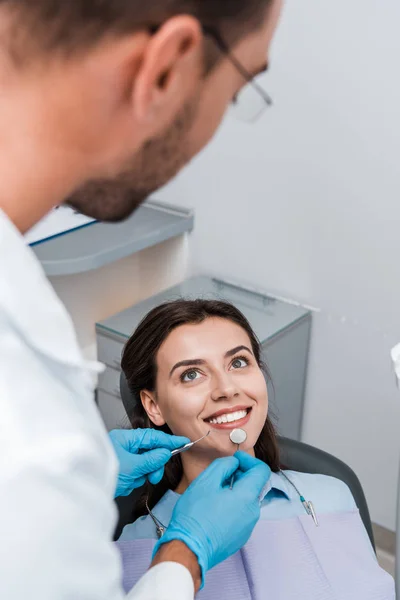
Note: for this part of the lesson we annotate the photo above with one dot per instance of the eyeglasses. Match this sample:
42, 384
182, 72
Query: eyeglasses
252, 100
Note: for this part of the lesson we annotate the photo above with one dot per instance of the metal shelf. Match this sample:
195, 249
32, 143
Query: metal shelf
103, 243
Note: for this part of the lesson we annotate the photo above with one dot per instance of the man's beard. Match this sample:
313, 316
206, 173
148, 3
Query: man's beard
158, 161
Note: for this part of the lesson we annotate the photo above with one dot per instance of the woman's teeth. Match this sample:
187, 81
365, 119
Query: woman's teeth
228, 417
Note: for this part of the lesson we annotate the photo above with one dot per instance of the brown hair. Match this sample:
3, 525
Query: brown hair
72, 25
140, 368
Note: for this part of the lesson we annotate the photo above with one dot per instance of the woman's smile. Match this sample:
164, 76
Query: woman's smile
230, 418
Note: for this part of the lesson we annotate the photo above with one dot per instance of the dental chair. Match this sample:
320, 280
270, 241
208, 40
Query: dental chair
295, 456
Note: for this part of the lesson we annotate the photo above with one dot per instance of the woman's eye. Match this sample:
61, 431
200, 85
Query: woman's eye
190, 376
239, 363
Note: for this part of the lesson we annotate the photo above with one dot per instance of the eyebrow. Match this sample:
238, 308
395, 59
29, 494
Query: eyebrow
236, 350
195, 362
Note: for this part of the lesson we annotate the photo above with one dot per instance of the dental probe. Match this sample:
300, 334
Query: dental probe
188, 446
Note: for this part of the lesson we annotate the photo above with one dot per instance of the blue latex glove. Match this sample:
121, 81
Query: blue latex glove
214, 521
142, 454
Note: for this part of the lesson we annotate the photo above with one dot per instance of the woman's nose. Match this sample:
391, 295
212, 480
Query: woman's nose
224, 388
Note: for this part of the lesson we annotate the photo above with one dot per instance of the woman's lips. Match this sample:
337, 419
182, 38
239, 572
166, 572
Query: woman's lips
231, 424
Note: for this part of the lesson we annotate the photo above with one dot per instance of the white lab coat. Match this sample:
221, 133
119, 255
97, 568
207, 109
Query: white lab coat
57, 466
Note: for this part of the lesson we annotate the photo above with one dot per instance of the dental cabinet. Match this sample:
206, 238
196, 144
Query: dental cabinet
283, 329
91, 247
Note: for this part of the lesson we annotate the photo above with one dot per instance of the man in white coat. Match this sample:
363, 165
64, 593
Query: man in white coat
101, 103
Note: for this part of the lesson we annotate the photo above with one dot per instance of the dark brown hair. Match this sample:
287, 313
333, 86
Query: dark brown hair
72, 25
140, 368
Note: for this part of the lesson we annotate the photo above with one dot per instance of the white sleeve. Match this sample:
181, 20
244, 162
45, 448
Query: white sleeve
166, 581
57, 478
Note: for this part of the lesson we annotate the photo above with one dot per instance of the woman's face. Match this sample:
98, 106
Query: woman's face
208, 379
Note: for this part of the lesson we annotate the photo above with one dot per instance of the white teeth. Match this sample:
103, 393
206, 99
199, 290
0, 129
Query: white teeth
229, 417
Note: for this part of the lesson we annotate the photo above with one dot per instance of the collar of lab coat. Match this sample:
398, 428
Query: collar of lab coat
29, 302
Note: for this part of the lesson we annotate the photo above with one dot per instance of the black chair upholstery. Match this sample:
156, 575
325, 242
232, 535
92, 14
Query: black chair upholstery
127, 399
295, 456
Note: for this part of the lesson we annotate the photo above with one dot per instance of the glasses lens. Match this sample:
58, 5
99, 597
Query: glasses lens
249, 104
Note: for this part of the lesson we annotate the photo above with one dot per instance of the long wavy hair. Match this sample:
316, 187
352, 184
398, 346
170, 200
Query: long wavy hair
140, 367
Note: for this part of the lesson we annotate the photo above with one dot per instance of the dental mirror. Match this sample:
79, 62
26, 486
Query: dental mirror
237, 436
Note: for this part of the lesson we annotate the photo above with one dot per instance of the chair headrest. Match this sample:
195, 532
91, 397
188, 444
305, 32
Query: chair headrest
128, 400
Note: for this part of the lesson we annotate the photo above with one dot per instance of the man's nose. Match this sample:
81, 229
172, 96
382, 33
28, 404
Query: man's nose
224, 387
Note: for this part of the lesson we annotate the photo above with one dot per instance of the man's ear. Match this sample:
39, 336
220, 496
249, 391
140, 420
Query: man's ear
151, 407
172, 65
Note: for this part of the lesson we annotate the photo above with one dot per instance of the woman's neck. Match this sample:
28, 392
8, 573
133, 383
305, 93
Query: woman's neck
193, 465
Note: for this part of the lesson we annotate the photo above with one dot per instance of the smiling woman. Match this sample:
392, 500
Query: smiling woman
195, 367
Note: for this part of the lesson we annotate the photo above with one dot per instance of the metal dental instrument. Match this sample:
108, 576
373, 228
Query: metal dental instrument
188, 446
237, 436
308, 506
160, 528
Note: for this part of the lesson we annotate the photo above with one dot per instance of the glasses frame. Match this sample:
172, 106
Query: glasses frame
225, 49
247, 76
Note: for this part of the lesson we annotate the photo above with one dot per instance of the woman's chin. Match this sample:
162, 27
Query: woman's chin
229, 451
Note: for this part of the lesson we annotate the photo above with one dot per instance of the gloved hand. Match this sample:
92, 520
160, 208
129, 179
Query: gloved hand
142, 454
214, 521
